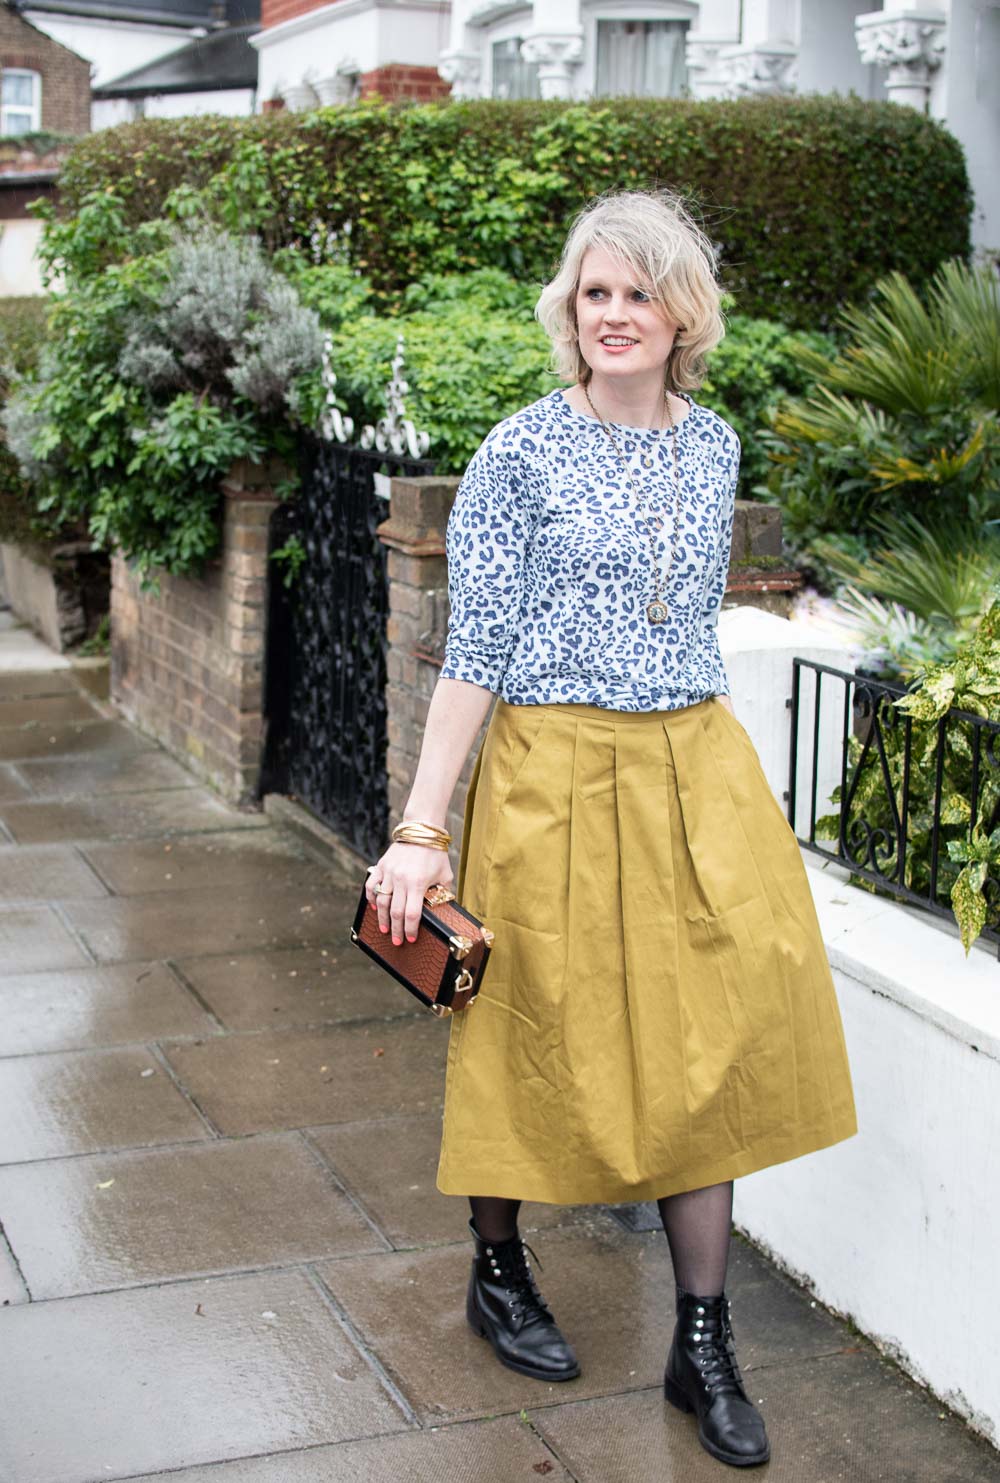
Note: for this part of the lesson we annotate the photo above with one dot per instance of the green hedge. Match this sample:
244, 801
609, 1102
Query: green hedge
496, 361
811, 199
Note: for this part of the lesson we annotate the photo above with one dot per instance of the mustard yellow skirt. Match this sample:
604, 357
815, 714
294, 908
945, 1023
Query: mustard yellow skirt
658, 1012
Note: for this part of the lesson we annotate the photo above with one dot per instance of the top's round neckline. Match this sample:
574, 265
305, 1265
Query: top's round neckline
624, 427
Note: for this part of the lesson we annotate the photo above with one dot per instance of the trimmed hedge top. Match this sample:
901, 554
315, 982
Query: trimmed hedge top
811, 199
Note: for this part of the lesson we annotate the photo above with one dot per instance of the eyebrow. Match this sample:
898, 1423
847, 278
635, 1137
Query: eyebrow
586, 283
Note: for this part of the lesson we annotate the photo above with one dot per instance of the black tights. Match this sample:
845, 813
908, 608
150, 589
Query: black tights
697, 1223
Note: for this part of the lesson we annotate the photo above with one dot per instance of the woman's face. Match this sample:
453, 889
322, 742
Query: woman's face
621, 331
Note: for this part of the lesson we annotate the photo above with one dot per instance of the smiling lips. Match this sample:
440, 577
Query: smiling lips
617, 342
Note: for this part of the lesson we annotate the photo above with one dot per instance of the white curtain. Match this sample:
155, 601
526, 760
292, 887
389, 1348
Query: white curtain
513, 77
643, 59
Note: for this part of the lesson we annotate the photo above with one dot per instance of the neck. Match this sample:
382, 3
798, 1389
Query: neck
637, 401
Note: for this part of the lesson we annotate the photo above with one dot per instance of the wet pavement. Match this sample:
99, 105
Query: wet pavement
224, 1259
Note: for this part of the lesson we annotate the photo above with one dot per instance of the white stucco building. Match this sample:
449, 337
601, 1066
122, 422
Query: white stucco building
942, 58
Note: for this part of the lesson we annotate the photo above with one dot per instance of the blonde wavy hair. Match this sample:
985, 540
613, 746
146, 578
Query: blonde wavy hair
653, 235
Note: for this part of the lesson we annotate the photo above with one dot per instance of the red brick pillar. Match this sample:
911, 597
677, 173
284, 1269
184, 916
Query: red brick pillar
418, 625
187, 664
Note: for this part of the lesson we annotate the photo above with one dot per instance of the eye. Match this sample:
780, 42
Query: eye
641, 295
592, 291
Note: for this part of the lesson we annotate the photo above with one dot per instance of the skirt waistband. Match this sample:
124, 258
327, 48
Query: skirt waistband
603, 713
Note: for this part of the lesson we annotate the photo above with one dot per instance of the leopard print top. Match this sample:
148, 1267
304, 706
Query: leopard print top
549, 563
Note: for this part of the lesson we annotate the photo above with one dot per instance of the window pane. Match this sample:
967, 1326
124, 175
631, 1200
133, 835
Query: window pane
642, 59
16, 123
18, 88
513, 77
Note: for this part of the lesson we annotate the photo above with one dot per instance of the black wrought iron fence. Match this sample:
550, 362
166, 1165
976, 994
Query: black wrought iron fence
885, 794
325, 664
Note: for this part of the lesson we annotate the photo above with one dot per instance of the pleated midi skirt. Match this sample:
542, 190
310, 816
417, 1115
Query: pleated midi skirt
658, 1013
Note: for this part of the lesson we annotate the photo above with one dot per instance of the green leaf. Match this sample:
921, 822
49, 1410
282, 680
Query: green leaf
969, 904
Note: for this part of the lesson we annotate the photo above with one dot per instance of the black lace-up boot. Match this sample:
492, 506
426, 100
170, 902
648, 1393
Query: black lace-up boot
702, 1376
505, 1307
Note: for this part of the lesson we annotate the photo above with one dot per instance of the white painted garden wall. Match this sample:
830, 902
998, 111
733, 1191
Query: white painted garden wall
898, 1226
20, 270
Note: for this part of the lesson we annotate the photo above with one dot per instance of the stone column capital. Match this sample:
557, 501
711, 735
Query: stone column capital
554, 52
463, 69
909, 44
701, 57
745, 71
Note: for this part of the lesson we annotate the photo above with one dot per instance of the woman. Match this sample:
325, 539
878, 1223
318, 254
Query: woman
658, 1016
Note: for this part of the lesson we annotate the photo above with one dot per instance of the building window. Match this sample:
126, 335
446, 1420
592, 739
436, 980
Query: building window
513, 77
20, 101
641, 59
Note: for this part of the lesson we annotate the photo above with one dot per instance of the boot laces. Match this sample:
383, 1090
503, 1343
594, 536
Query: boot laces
715, 1354
525, 1299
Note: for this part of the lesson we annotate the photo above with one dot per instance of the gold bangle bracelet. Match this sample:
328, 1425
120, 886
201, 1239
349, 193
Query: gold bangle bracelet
418, 826
429, 844
405, 831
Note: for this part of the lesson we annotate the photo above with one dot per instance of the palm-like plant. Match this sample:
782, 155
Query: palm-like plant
906, 415
921, 594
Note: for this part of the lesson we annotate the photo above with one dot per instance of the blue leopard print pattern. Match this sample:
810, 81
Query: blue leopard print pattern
549, 566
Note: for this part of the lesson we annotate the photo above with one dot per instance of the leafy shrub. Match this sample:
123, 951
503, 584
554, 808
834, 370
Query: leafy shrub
799, 193
969, 859
903, 417
919, 595
753, 372
465, 370
159, 371
474, 354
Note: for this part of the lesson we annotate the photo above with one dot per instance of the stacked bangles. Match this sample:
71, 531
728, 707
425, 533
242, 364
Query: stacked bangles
415, 831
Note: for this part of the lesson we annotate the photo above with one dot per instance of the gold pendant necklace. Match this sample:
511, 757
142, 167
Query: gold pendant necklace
657, 610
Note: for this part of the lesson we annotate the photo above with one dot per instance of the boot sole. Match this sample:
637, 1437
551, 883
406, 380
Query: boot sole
677, 1397
478, 1327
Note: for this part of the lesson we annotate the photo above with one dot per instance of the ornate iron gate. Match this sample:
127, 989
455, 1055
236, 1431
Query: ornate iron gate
326, 648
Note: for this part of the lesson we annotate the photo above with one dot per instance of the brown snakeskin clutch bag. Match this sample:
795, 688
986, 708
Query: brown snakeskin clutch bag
445, 966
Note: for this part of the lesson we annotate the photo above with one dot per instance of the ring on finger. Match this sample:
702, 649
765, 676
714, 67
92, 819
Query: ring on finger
384, 890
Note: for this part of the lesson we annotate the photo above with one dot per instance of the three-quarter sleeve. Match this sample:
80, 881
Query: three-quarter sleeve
716, 588
488, 530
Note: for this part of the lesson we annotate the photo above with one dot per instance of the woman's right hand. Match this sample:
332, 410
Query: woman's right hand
410, 870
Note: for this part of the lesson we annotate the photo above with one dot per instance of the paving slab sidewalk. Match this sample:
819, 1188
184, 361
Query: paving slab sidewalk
223, 1257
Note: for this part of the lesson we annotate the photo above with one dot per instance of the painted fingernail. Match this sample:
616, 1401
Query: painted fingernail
372, 906
397, 942
381, 928
409, 938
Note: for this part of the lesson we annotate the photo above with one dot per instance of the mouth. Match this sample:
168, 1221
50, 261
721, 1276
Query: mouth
617, 342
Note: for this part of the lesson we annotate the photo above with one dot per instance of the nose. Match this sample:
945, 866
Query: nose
616, 310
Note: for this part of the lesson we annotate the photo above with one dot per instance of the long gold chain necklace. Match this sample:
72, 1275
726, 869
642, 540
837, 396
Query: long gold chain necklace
657, 611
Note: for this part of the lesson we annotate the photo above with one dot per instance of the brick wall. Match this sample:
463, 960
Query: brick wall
65, 76
187, 666
397, 80
273, 12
